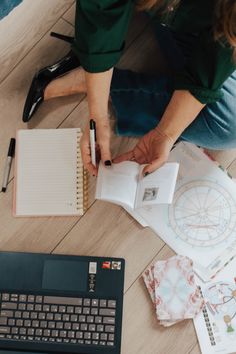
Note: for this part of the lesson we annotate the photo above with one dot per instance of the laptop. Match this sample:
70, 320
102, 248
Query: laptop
60, 304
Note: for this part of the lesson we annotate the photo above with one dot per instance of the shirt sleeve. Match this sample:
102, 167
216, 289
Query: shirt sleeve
210, 65
100, 29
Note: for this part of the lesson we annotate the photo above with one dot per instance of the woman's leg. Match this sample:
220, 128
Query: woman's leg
68, 84
139, 102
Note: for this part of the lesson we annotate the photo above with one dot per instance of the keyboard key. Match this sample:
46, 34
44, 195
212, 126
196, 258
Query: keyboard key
111, 337
23, 298
102, 343
86, 311
11, 322
15, 330
59, 325
30, 307
3, 321
87, 342
67, 325
25, 314
8, 306
78, 310
75, 326
110, 344
23, 331
55, 333
34, 315
95, 303
19, 323
79, 335
43, 324
56, 300
4, 330
110, 329
41, 316
87, 335
31, 298
109, 320
49, 316
58, 317
39, 299
46, 333
95, 342
107, 312
6, 314
22, 306
54, 308
27, 323
35, 324
95, 336
100, 328
87, 302
62, 334
103, 336
103, 303
74, 318
92, 327
82, 318
70, 309
90, 319
46, 308
84, 327
66, 317
38, 307
51, 324
62, 309
5, 297
30, 331
94, 311
71, 334
98, 319
112, 304
18, 314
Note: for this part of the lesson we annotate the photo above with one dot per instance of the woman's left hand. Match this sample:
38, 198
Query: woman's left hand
152, 149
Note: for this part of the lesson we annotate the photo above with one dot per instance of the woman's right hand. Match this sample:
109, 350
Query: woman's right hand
103, 134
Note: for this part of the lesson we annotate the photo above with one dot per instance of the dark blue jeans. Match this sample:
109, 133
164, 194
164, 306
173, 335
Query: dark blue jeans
139, 100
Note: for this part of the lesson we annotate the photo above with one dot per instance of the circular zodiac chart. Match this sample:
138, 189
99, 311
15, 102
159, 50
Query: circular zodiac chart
203, 213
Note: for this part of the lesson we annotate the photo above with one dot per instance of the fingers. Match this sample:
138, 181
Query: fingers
153, 166
128, 156
103, 139
86, 154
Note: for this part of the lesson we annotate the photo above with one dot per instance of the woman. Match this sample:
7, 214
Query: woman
196, 104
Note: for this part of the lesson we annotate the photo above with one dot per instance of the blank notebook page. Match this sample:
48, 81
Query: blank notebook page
49, 173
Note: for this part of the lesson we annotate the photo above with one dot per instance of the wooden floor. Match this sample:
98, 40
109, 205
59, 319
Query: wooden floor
25, 46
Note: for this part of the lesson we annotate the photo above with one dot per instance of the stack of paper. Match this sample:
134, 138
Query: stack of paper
172, 288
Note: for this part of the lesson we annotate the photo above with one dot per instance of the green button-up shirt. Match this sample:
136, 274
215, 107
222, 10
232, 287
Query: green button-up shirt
101, 27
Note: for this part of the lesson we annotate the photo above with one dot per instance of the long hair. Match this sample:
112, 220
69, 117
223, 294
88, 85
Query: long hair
224, 28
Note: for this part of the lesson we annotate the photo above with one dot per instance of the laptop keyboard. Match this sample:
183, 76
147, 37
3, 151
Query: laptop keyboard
58, 319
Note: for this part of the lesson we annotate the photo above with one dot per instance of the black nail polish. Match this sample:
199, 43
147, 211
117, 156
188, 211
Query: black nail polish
146, 173
107, 163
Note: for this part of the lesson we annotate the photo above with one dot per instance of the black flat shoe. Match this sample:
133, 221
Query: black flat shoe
40, 81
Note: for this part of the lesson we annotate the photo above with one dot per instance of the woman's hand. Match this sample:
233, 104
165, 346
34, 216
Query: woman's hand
103, 134
152, 149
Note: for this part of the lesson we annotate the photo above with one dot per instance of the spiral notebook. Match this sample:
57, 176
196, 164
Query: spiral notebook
49, 174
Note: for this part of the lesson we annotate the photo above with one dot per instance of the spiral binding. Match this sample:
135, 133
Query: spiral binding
81, 180
207, 322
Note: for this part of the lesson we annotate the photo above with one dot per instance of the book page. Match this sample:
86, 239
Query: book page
46, 172
118, 183
158, 187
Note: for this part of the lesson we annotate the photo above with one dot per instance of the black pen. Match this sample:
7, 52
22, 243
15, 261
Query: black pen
10, 155
92, 136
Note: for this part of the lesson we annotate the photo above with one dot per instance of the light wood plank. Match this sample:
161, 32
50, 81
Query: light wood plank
13, 92
69, 15
195, 350
116, 235
224, 157
232, 169
24, 27
141, 328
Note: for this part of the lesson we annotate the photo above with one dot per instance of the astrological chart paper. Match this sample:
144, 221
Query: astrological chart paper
201, 221
216, 324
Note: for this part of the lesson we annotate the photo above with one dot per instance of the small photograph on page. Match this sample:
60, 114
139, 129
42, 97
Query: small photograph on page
150, 194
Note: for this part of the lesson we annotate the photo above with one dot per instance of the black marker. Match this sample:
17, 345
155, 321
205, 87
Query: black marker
10, 155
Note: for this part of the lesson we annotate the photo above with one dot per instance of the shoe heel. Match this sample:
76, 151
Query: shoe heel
67, 39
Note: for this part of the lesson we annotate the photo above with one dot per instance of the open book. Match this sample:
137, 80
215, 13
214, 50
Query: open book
122, 184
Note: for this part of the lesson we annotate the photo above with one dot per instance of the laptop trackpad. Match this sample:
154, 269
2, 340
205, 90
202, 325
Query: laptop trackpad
65, 275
